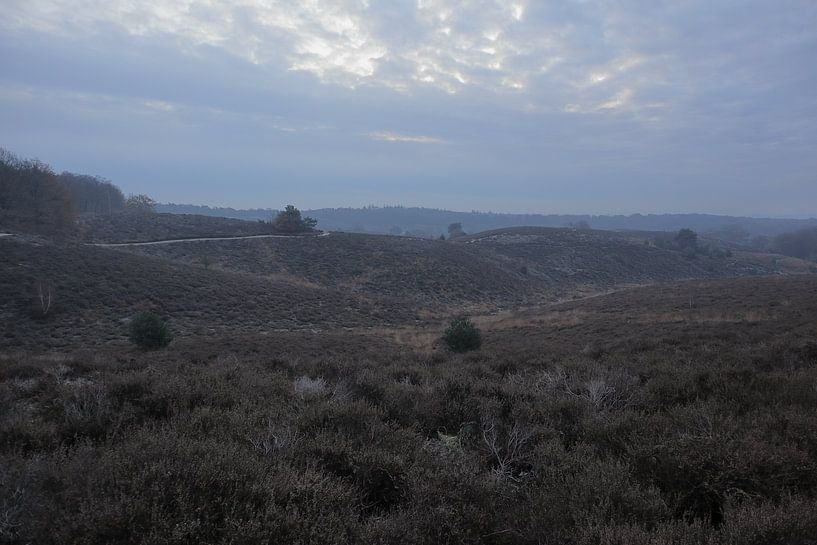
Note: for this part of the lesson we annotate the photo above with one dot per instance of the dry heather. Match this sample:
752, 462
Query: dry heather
96, 290
306, 398
140, 228
492, 270
607, 428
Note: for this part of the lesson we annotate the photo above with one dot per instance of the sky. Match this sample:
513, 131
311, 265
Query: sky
574, 106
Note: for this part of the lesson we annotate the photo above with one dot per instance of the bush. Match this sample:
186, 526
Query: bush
462, 335
289, 220
148, 330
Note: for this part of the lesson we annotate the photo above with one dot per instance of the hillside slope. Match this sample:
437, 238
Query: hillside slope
515, 266
735, 312
676, 427
604, 259
95, 291
117, 228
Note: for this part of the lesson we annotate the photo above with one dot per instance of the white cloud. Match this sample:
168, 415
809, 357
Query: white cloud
386, 136
159, 105
445, 44
576, 57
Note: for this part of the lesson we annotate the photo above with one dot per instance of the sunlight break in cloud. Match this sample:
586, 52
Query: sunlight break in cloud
443, 44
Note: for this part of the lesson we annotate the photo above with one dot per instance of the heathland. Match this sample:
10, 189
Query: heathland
630, 387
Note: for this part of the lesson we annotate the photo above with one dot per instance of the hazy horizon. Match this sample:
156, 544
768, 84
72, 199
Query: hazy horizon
511, 212
508, 106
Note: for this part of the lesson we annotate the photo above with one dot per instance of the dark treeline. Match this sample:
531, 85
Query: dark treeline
92, 194
251, 214
802, 244
432, 222
32, 199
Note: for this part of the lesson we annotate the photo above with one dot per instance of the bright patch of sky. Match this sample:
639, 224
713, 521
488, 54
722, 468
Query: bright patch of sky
519, 105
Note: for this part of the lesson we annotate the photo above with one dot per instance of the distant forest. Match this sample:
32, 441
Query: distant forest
35, 199
431, 222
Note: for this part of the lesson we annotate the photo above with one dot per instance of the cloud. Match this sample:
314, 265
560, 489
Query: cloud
160, 105
439, 44
615, 98
385, 136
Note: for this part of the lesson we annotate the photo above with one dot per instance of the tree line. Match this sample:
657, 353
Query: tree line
33, 198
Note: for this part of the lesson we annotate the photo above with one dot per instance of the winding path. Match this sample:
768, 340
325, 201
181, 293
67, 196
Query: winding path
174, 240
201, 239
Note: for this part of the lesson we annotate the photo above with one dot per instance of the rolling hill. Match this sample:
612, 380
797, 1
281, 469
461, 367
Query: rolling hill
95, 291
498, 268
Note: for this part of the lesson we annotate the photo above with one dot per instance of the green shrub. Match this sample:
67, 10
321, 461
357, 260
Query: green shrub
147, 330
462, 335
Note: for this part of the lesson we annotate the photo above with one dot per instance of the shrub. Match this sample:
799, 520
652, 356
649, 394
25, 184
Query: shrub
43, 301
289, 220
462, 335
147, 330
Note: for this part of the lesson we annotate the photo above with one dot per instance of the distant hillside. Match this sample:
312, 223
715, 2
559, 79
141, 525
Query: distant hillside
433, 222
93, 292
117, 228
514, 266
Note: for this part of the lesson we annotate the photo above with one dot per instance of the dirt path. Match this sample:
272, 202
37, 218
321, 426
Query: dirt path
202, 239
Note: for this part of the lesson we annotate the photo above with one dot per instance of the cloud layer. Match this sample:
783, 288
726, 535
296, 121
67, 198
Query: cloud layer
572, 105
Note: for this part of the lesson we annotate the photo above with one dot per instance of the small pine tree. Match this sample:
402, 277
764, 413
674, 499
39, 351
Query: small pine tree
149, 331
289, 220
462, 335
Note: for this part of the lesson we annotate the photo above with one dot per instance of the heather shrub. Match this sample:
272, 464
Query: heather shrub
149, 331
462, 335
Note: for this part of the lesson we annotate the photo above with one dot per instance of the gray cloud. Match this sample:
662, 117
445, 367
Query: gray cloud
549, 106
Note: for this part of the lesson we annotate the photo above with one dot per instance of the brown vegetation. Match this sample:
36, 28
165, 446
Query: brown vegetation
119, 228
512, 267
95, 291
616, 429
306, 397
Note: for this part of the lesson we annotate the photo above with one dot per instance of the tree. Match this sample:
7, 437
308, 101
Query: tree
455, 230
32, 199
140, 204
686, 239
92, 194
802, 244
289, 220
462, 335
149, 331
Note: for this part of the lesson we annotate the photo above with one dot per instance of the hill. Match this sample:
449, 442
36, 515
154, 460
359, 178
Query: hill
494, 269
433, 222
306, 397
95, 291
119, 228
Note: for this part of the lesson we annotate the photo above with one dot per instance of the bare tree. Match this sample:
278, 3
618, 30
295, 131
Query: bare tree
507, 446
140, 204
43, 299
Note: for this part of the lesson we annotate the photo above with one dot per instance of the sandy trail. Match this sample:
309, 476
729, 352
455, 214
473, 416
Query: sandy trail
202, 239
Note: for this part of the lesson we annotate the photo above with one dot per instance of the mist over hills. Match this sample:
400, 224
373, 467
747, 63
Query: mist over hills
432, 222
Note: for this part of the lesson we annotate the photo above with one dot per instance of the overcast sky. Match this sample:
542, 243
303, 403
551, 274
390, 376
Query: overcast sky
609, 106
